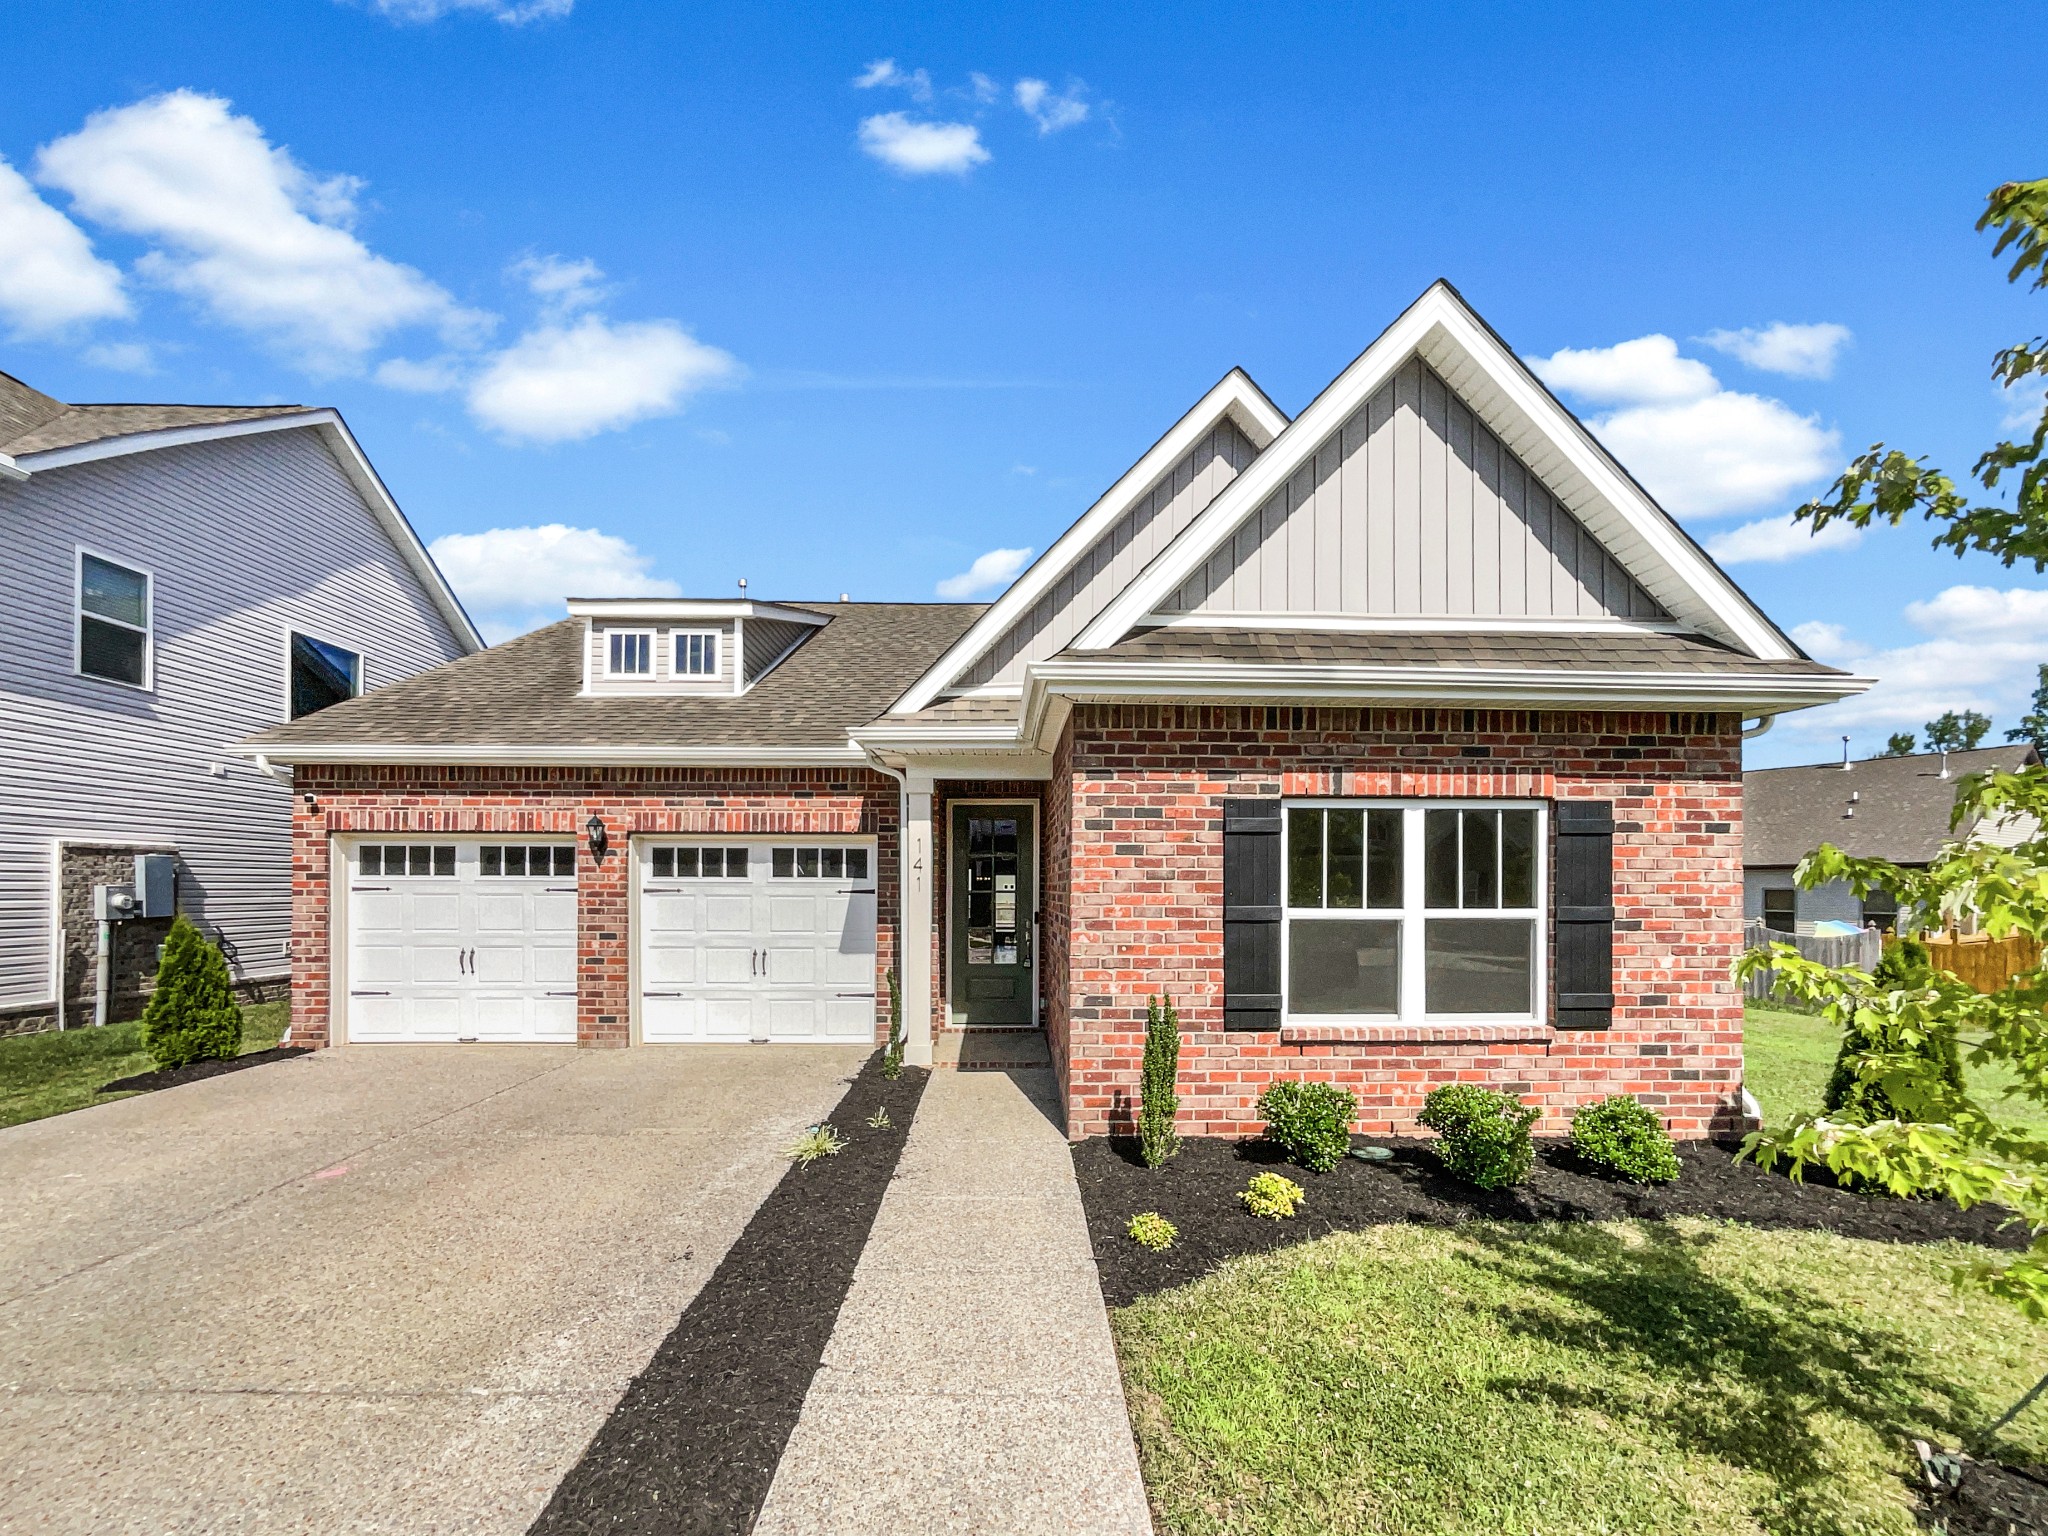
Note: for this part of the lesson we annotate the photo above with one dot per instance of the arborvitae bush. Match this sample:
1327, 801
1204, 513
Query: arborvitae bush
192, 1014
1310, 1122
1623, 1136
892, 1058
1904, 966
1482, 1134
1158, 1098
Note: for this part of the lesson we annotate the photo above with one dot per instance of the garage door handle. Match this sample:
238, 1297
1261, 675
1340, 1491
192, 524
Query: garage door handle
369, 994
853, 994
643, 994
369, 888
558, 994
561, 890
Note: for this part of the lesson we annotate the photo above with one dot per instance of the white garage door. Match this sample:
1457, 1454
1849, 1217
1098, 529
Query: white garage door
757, 940
462, 941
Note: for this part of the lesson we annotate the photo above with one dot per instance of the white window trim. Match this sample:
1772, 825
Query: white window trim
292, 632
78, 617
1412, 914
679, 640
653, 655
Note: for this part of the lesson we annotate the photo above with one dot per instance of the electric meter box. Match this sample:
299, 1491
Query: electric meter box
156, 885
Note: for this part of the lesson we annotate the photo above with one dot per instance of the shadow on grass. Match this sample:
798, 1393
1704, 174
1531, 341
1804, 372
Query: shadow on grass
1758, 1368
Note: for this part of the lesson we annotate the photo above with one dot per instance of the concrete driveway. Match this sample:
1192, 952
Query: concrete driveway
380, 1288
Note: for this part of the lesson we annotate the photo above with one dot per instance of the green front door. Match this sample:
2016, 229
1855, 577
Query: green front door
992, 873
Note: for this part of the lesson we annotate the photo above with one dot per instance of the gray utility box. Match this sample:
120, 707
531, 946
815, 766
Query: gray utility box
156, 885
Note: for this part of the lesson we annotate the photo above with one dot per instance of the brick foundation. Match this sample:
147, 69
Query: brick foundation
1139, 790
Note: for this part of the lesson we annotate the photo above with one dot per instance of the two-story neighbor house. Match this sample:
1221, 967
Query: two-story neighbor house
175, 578
1396, 743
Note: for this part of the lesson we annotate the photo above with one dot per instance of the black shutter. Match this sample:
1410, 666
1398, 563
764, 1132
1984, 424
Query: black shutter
1585, 914
1251, 914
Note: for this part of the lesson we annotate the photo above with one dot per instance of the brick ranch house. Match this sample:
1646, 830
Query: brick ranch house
1396, 743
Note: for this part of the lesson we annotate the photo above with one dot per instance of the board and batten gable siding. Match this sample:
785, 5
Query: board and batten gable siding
1124, 549
248, 538
1414, 508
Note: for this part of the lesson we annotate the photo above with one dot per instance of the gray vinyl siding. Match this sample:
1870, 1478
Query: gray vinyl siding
1414, 508
1124, 549
664, 678
248, 538
766, 640
1833, 902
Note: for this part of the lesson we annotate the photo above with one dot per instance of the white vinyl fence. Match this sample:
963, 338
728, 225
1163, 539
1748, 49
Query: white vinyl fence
1860, 950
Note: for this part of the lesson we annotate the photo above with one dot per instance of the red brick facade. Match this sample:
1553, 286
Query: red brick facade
474, 801
1140, 790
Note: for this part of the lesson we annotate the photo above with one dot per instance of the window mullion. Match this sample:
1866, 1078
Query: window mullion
1412, 861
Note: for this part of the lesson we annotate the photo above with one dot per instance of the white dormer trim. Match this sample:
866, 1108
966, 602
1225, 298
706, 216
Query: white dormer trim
1234, 396
1500, 389
669, 610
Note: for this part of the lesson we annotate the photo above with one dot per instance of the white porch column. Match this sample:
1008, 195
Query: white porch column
915, 923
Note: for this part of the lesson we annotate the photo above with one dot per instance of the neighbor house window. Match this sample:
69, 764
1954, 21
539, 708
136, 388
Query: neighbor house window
322, 674
1781, 911
629, 653
113, 621
1413, 911
696, 653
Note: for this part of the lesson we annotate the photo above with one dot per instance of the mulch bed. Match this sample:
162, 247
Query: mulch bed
194, 1071
1197, 1192
1993, 1500
694, 1443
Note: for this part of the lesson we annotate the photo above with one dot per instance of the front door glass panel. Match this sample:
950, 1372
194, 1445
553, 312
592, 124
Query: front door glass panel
993, 937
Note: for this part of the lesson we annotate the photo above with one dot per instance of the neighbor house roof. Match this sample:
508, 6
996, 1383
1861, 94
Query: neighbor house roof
33, 422
526, 696
1901, 806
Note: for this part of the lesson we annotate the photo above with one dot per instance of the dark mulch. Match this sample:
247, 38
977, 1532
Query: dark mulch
194, 1071
1994, 1500
1197, 1192
693, 1444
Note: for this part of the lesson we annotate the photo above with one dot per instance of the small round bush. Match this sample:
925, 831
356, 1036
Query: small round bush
1310, 1122
192, 1015
1482, 1135
1621, 1135
1149, 1229
1272, 1194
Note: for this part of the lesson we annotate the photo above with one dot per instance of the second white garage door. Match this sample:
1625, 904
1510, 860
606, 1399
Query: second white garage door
755, 939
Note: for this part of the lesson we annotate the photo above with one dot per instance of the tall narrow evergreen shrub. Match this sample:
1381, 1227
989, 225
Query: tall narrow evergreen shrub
192, 1014
1158, 1098
892, 1059
1905, 964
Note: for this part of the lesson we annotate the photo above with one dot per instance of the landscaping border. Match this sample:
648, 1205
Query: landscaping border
694, 1443
198, 1071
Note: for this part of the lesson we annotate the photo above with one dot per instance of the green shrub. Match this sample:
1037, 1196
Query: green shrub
880, 1121
892, 1058
819, 1141
192, 1014
1310, 1122
1157, 1099
1482, 1135
1272, 1194
1622, 1135
1904, 966
1149, 1229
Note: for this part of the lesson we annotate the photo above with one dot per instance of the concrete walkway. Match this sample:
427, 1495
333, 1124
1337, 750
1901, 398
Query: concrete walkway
970, 1385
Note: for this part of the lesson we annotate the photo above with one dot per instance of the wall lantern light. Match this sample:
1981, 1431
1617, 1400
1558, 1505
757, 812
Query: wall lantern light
598, 841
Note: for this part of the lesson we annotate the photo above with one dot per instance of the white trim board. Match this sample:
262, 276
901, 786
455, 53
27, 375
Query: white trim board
1445, 332
485, 755
1234, 396
348, 453
1412, 624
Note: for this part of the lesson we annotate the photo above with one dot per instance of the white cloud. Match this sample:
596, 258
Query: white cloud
122, 357
560, 284
989, 571
884, 73
922, 149
426, 376
1830, 642
1700, 449
1050, 109
50, 280
515, 579
243, 229
568, 379
984, 89
1773, 540
1646, 371
2023, 402
513, 13
1798, 351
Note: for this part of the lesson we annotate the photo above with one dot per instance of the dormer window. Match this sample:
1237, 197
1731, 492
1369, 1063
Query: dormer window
696, 652
629, 653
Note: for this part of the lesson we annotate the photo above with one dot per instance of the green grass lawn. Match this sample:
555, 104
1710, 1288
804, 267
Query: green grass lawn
50, 1073
1786, 1059
1681, 1377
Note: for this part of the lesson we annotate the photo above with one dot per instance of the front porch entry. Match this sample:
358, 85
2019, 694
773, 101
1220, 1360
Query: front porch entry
991, 914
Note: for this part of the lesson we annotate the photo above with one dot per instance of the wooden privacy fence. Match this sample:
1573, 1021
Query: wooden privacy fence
1984, 963
1859, 949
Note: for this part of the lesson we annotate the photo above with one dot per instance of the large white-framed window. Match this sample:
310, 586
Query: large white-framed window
1414, 911
113, 620
629, 653
696, 652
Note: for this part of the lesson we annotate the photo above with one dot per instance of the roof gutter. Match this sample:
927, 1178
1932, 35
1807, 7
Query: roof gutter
11, 471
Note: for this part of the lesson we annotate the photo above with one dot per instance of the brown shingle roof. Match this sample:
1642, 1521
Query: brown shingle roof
1902, 806
1645, 650
33, 422
527, 692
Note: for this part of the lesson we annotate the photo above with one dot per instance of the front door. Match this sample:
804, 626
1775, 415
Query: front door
992, 875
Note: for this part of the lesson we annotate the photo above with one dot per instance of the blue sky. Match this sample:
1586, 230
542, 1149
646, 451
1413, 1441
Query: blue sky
677, 280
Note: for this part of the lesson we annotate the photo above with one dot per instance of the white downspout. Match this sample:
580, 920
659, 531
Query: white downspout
913, 918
